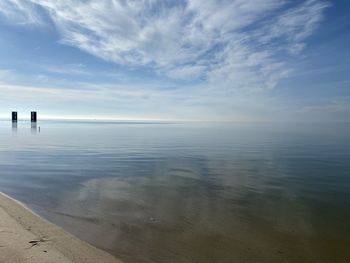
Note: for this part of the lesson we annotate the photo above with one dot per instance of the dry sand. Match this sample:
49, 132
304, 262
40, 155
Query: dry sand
26, 237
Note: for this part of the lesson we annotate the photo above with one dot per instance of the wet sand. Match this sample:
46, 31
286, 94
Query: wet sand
26, 237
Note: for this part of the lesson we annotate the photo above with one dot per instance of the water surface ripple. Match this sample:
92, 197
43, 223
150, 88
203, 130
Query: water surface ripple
154, 192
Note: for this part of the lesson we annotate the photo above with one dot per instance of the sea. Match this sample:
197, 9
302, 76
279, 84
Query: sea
187, 192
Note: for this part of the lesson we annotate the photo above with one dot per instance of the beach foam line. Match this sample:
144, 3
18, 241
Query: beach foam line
27, 237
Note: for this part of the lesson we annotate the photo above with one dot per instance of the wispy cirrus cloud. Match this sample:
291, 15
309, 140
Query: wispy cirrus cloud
224, 53
71, 69
246, 43
20, 12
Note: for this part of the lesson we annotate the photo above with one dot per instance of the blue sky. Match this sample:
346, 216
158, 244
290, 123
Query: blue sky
231, 60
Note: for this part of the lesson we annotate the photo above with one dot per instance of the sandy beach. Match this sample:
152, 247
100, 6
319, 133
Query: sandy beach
26, 237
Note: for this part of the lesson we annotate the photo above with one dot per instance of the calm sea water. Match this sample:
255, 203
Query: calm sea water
151, 192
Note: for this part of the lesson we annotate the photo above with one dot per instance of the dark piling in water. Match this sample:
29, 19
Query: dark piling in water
14, 116
33, 116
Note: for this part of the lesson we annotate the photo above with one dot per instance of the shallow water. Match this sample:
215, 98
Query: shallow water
157, 192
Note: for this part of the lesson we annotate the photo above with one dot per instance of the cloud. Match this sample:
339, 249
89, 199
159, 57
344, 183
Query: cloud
186, 72
293, 26
131, 101
245, 43
68, 69
5, 74
20, 12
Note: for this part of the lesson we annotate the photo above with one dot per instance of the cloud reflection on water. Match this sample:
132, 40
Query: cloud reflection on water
168, 193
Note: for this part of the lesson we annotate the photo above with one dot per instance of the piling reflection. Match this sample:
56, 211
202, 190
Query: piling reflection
34, 128
14, 127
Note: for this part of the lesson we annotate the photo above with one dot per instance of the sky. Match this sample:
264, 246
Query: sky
205, 60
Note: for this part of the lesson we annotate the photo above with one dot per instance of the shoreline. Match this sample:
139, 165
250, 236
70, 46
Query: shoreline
27, 237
